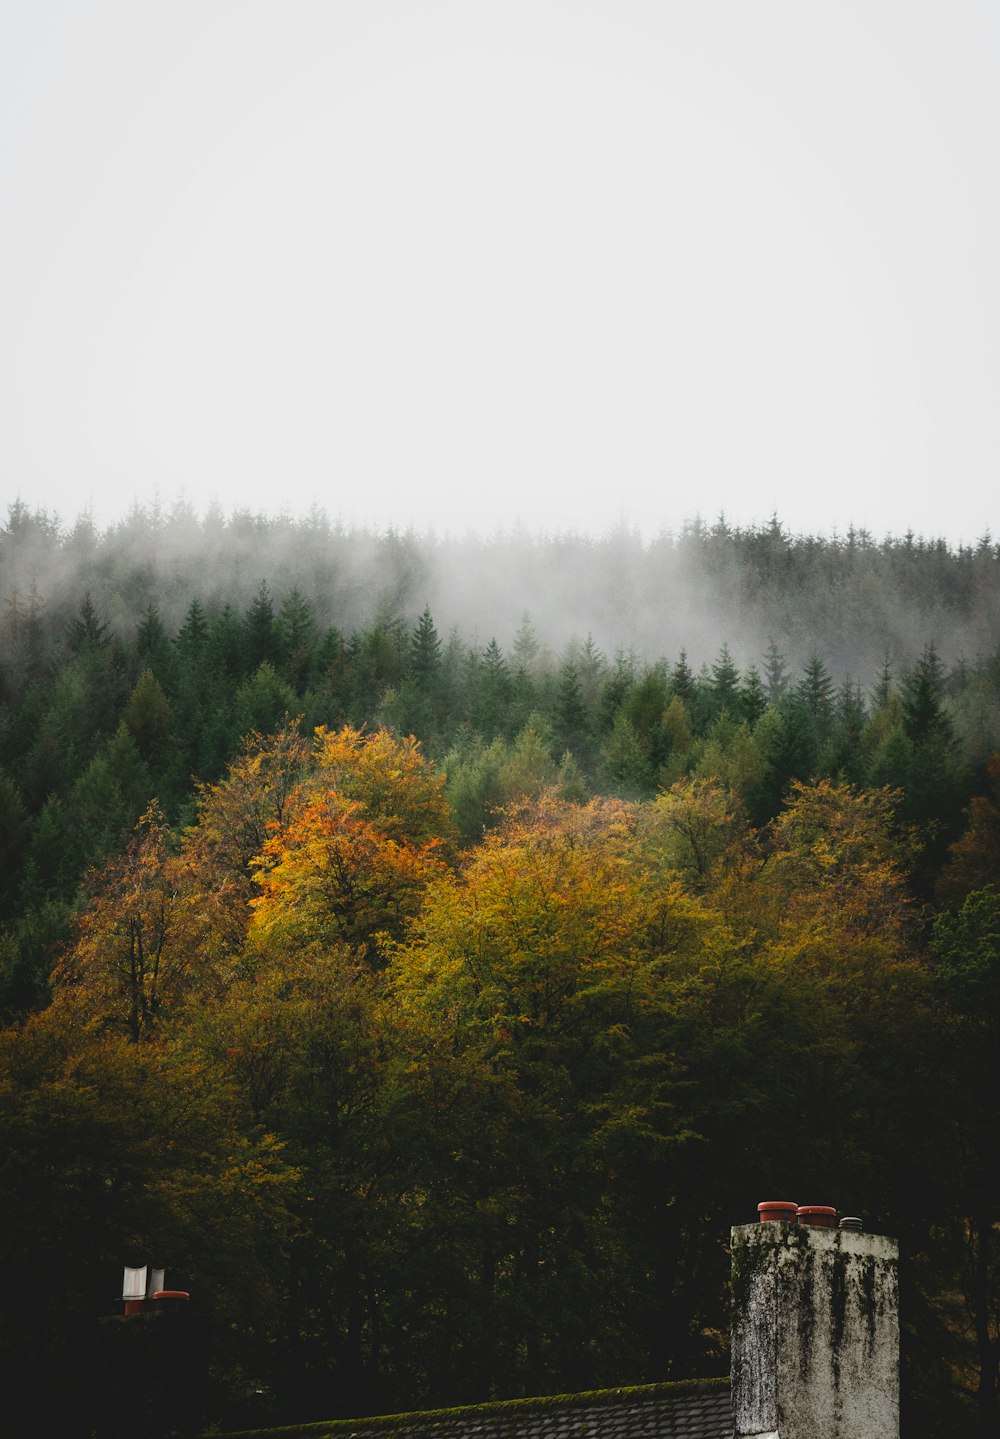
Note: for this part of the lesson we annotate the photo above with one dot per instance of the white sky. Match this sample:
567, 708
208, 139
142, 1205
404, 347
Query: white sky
460, 264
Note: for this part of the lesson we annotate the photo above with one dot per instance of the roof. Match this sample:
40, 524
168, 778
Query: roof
692, 1409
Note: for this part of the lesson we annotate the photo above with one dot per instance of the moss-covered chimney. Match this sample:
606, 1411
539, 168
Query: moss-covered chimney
815, 1333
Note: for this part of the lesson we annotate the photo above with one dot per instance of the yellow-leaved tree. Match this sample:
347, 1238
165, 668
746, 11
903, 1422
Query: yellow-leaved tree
144, 942
365, 833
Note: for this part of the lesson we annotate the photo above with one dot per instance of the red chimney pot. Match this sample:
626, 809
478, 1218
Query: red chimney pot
820, 1216
777, 1211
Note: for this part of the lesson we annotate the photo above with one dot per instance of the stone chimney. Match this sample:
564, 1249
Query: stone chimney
815, 1332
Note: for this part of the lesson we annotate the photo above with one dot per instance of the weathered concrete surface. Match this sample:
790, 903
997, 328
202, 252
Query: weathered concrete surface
815, 1333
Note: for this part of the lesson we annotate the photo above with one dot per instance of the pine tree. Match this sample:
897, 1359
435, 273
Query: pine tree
775, 673
625, 763
87, 632
294, 636
152, 648
752, 696
525, 649
844, 756
924, 713
591, 667
725, 684
148, 717
494, 692
424, 664
261, 639
883, 689
192, 638
814, 692
682, 680
227, 645
571, 720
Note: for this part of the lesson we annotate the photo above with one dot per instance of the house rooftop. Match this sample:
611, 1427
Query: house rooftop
691, 1409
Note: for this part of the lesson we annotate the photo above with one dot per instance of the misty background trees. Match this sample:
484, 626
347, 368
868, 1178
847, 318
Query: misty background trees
430, 946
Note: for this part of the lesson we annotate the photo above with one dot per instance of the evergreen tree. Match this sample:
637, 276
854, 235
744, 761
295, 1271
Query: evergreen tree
591, 668
882, 691
227, 646
87, 631
682, 681
843, 756
725, 684
775, 673
617, 685
814, 692
924, 715
376, 659
194, 695
147, 716
107, 799
328, 698
192, 638
23, 652
14, 832
152, 648
494, 692
752, 696
571, 720
645, 708
625, 763
294, 637
424, 665
932, 780
260, 636
263, 703
526, 649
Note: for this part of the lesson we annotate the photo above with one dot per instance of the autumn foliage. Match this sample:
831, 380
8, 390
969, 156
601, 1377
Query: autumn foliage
440, 1122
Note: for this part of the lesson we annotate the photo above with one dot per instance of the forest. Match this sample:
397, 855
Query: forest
427, 947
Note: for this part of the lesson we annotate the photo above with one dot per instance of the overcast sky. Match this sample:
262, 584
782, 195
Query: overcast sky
458, 264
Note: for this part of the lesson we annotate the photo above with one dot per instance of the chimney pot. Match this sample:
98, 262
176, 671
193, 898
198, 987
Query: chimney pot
820, 1216
777, 1211
170, 1301
851, 1221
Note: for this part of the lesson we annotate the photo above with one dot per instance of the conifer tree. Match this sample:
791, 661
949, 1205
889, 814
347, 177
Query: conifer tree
261, 639
882, 690
494, 692
775, 673
814, 692
294, 636
152, 648
425, 652
86, 631
725, 683
147, 716
227, 645
192, 638
752, 696
682, 680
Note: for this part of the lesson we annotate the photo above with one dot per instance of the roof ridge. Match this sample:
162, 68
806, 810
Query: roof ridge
584, 1399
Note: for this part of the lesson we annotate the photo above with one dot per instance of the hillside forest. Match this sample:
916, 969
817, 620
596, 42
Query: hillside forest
426, 948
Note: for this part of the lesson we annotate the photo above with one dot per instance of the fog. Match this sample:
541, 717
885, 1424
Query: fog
458, 266
848, 598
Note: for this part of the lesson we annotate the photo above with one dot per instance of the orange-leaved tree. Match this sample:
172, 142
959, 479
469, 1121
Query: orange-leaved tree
236, 817
365, 834
398, 790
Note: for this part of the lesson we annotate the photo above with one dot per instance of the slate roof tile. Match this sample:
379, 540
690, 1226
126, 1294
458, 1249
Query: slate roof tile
690, 1410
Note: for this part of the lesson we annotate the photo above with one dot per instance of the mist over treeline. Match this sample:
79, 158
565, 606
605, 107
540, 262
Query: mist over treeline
849, 597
